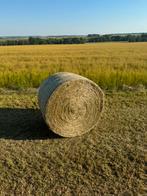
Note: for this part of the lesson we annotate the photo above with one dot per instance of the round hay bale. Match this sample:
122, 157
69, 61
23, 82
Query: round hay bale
70, 104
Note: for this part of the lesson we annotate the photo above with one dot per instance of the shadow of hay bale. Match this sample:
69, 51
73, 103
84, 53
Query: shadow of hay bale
23, 124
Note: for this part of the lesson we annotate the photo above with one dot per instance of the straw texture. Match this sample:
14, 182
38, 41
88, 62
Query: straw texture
70, 104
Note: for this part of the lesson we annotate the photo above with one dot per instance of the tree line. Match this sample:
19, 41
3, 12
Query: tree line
91, 38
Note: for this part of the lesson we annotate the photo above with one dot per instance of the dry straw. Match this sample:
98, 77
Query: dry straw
71, 104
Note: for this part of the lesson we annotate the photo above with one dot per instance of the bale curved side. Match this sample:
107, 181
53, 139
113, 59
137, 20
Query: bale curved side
71, 104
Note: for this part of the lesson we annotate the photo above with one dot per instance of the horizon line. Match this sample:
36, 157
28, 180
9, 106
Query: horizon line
63, 35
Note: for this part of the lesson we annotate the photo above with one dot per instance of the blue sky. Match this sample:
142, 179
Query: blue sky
60, 17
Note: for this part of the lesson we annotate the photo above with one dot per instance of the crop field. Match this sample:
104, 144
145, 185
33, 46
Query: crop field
111, 65
109, 160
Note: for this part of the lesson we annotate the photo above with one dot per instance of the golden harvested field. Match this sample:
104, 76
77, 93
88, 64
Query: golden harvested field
111, 65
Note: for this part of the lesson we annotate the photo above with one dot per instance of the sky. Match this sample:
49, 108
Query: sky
72, 17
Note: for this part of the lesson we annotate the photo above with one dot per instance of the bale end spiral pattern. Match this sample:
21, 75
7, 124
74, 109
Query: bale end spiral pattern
70, 104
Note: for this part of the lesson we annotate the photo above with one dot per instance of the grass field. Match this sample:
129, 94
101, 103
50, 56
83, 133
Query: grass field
111, 65
110, 160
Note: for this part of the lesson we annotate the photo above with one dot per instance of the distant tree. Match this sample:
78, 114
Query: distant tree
143, 37
31, 40
131, 38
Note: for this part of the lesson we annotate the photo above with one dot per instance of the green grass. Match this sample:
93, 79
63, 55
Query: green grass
110, 81
107, 161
